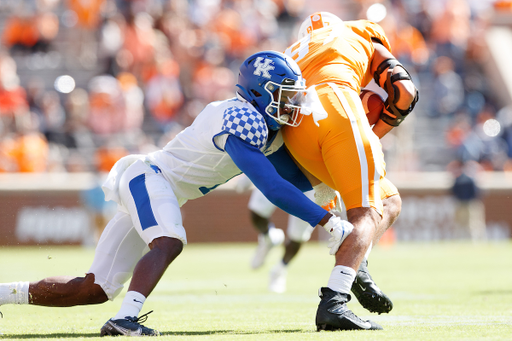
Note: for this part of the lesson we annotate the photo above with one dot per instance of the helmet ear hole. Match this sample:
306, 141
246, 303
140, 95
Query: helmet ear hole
255, 93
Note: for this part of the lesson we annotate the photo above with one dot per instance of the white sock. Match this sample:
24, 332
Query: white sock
367, 254
131, 306
281, 265
341, 279
14, 293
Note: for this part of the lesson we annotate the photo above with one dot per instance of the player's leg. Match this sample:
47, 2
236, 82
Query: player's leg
298, 232
349, 161
146, 275
392, 203
364, 287
155, 214
357, 180
261, 209
64, 291
348, 259
58, 291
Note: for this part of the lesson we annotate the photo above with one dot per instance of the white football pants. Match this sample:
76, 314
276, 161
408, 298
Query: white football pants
148, 210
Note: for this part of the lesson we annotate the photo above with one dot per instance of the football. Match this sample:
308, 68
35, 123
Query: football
373, 105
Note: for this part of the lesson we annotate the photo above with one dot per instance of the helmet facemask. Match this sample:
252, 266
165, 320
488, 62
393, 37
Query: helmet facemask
287, 98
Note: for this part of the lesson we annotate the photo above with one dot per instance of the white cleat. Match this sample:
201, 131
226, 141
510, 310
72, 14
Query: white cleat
274, 237
277, 278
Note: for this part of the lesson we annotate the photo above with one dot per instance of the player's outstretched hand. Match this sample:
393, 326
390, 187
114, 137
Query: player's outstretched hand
339, 229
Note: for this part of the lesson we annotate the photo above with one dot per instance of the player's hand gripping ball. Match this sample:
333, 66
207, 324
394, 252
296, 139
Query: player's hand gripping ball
373, 105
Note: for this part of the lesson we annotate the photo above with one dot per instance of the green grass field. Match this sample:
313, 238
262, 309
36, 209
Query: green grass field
441, 291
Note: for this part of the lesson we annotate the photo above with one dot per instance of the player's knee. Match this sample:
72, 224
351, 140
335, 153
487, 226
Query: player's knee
393, 207
366, 217
261, 223
293, 245
170, 248
91, 292
291, 250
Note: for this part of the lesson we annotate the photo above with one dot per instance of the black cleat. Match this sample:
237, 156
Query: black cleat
129, 326
333, 313
368, 293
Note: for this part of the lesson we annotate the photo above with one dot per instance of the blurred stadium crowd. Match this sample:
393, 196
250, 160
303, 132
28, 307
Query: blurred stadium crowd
83, 83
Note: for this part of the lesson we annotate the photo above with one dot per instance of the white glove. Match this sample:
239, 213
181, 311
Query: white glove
324, 195
339, 230
329, 199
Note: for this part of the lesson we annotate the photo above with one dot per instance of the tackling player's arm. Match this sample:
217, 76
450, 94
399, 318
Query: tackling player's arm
283, 194
291, 170
396, 81
265, 177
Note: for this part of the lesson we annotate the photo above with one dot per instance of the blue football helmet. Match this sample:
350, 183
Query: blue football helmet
273, 84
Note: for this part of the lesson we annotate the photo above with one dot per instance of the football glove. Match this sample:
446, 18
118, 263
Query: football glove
339, 230
325, 196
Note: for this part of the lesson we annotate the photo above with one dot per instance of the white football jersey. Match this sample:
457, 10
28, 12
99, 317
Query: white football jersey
195, 162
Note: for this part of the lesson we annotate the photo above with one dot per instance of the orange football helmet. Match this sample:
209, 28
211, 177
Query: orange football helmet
316, 21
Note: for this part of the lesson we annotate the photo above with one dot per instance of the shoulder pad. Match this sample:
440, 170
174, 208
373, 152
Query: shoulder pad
246, 124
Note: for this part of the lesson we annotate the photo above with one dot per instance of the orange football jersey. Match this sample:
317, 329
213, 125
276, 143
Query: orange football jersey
322, 58
333, 142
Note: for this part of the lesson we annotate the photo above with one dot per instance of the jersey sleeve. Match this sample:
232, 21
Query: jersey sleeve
246, 124
371, 28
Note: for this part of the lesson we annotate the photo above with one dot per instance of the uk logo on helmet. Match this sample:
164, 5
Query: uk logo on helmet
263, 67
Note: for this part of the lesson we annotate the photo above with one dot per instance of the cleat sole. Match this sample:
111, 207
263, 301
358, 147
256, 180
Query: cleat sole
375, 304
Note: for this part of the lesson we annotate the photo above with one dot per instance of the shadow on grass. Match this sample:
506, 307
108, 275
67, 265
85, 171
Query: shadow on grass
48, 336
232, 332
205, 332
494, 292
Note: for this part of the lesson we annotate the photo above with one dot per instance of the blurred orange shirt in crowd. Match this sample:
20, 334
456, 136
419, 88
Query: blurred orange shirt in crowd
229, 26
139, 42
12, 101
106, 157
454, 23
7, 159
21, 31
106, 115
407, 41
503, 5
27, 153
88, 12
163, 94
